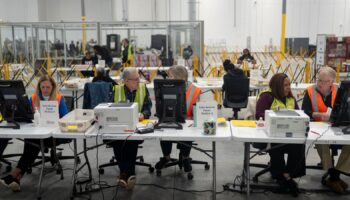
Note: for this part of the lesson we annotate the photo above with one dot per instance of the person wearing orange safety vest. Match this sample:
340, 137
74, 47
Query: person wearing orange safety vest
192, 95
46, 91
317, 103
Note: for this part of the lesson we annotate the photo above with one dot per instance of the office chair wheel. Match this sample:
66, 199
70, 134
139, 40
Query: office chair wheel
101, 171
324, 178
112, 159
151, 169
189, 176
78, 160
255, 179
58, 171
206, 166
141, 160
8, 168
159, 172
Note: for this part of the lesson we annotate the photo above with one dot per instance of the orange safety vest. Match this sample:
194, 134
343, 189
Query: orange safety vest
58, 99
192, 95
317, 101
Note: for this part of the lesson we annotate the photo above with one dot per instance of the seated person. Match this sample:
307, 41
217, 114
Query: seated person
232, 72
180, 72
278, 96
246, 56
3, 141
3, 145
101, 75
125, 151
89, 59
46, 90
317, 100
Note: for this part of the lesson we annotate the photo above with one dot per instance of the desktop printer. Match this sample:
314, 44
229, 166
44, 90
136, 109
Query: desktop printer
117, 117
286, 123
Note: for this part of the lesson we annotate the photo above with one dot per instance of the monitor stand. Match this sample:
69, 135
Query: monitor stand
346, 130
13, 125
168, 121
175, 125
10, 123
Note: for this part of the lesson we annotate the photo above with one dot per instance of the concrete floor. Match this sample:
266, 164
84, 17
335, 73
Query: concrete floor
149, 186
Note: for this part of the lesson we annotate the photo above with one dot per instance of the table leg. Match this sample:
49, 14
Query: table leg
214, 171
87, 160
76, 99
246, 169
42, 168
74, 178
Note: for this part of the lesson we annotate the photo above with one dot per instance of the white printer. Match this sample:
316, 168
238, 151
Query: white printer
286, 123
117, 117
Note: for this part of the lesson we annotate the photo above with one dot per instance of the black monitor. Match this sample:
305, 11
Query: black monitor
170, 103
14, 103
340, 115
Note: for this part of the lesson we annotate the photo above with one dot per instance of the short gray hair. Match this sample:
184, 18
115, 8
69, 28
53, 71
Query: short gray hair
128, 71
179, 72
330, 71
100, 71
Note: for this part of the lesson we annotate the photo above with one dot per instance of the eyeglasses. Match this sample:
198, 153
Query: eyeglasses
134, 79
322, 81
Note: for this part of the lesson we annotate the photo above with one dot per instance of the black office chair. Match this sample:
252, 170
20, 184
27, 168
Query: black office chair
178, 162
7, 162
92, 99
266, 167
236, 93
113, 162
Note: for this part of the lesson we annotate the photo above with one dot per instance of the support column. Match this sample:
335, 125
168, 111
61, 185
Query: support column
283, 32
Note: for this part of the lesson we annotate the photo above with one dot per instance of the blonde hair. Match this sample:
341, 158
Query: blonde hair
38, 91
179, 72
330, 71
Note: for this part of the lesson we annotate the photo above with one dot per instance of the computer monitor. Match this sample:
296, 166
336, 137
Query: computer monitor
14, 103
340, 115
170, 103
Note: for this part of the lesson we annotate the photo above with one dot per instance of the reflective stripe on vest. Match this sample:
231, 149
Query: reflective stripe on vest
129, 52
58, 99
317, 101
192, 95
277, 104
119, 94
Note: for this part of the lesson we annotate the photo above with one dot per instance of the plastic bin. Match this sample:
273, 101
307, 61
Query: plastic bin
79, 120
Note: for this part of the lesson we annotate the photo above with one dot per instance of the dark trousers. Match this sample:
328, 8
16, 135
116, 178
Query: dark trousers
31, 151
295, 165
125, 153
3, 145
184, 149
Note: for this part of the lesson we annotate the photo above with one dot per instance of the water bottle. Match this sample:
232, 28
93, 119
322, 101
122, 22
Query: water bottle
36, 117
260, 124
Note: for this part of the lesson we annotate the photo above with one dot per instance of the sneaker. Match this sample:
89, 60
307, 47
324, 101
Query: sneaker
186, 163
335, 186
162, 162
131, 182
343, 184
11, 182
292, 187
123, 179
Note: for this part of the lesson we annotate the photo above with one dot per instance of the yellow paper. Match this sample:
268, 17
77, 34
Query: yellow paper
221, 120
146, 121
245, 123
72, 126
